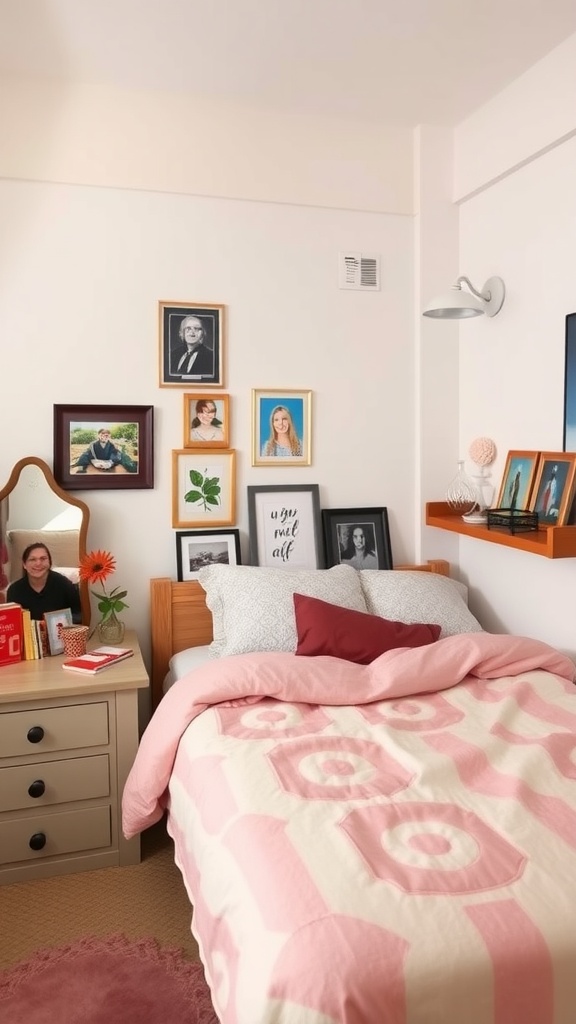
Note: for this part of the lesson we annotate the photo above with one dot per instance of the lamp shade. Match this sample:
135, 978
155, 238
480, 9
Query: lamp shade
454, 304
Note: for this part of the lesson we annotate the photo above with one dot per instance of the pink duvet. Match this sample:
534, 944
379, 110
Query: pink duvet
375, 844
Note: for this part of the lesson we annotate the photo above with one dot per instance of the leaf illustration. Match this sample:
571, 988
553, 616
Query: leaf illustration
193, 496
196, 478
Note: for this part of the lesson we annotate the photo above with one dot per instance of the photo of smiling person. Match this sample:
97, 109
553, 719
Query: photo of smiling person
283, 441
206, 426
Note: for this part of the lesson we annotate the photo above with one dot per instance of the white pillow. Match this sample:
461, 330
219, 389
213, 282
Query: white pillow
253, 609
418, 597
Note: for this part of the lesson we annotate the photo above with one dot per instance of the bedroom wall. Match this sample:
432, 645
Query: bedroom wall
520, 222
83, 268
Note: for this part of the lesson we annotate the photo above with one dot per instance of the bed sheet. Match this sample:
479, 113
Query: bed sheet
406, 860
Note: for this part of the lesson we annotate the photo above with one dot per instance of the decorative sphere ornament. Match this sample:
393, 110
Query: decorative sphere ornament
482, 451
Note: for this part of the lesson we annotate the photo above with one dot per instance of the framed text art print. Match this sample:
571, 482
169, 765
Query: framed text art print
103, 447
203, 488
206, 420
359, 537
285, 526
192, 342
281, 427
195, 549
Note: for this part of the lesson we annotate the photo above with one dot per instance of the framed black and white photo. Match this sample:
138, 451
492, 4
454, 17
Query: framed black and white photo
197, 549
285, 526
192, 343
359, 537
103, 447
62, 617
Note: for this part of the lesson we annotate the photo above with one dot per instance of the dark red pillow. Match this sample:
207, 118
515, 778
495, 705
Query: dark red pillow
325, 628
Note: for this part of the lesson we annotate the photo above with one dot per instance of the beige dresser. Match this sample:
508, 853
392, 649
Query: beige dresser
67, 743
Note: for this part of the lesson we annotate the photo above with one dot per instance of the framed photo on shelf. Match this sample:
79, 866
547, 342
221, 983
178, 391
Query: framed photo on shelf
203, 488
62, 617
553, 488
192, 343
570, 384
359, 537
285, 526
199, 548
281, 427
103, 447
518, 479
206, 421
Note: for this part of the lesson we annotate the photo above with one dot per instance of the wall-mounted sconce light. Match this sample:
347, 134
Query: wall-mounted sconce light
456, 304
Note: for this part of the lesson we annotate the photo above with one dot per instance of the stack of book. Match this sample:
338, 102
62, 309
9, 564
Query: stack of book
11, 633
36, 644
98, 659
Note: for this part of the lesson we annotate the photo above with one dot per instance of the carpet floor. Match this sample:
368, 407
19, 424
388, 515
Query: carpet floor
146, 900
106, 981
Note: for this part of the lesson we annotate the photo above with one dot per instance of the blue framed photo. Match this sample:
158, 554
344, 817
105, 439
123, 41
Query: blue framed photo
281, 427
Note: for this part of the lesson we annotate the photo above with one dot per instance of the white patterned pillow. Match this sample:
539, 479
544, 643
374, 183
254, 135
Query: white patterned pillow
253, 608
418, 597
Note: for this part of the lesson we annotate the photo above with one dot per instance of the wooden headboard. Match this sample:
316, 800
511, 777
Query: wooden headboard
180, 619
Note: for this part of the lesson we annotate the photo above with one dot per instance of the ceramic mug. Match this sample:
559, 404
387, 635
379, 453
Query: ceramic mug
74, 639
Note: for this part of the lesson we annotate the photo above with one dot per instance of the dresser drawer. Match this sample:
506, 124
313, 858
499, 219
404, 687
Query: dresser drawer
54, 782
60, 833
48, 729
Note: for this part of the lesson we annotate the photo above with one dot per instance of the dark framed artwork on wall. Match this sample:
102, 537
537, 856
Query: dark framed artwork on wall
192, 343
359, 537
285, 526
569, 440
196, 549
103, 447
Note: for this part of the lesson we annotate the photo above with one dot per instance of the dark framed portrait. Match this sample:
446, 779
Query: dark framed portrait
108, 447
196, 549
192, 343
359, 537
570, 384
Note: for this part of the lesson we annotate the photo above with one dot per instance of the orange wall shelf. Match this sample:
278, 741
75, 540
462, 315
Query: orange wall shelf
549, 541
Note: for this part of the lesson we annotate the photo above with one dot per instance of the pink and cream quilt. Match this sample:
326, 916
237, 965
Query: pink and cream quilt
392, 843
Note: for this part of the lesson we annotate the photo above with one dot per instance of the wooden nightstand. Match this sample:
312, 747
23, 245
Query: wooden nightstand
67, 743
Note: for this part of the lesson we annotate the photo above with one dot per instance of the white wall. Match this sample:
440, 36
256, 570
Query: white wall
521, 226
83, 269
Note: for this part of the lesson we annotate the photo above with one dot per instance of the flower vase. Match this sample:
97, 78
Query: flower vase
111, 630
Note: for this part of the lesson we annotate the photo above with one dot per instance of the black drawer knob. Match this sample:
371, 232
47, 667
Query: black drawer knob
37, 841
35, 734
37, 788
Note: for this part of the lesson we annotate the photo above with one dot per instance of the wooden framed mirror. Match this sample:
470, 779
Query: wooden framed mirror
34, 508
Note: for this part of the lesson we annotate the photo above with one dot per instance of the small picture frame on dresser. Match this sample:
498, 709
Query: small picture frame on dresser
62, 617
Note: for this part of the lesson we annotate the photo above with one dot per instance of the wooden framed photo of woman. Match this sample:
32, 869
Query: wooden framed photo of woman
192, 341
553, 488
281, 427
359, 537
203, 488
516, 486
206, 421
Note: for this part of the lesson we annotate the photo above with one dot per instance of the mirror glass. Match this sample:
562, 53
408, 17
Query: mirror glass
34, 508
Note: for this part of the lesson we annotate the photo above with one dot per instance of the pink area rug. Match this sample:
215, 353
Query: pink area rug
106, 981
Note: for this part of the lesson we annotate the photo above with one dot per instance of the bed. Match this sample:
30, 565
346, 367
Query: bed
365, 837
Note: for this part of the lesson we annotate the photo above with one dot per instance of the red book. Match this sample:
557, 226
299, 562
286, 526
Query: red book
11, 633
98, 659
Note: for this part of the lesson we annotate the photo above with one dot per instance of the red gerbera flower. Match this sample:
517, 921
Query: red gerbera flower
97, 566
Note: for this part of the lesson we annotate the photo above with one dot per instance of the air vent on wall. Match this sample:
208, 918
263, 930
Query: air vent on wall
359, 271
